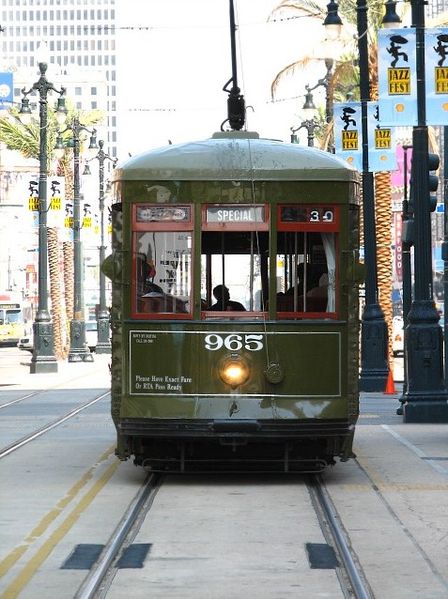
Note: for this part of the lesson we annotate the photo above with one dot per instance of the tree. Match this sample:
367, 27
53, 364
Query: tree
25, 140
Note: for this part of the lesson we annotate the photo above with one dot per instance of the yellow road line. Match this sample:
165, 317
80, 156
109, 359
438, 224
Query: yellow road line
7, 562
41, 555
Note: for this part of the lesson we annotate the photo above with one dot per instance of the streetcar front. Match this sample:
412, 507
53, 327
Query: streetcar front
234, 317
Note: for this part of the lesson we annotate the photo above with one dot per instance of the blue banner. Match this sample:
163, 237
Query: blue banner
382, 156
6, 91
347, 133
397, 82
436, 76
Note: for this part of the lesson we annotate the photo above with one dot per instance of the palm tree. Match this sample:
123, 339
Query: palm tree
345, 75
25, 140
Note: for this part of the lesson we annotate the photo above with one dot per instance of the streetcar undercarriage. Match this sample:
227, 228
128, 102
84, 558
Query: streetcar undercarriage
234, 445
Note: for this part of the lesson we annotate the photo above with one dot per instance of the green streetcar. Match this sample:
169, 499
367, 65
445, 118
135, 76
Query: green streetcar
235, 306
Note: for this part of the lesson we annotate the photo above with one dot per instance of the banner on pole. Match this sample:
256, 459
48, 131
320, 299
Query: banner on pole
55, 197
397, 81
436, 76
382, 156
347, 133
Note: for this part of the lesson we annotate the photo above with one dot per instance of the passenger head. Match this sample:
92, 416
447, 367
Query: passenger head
221, 293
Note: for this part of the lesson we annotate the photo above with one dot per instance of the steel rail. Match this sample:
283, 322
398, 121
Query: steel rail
48, 427
142, 500
359, 586
13, 401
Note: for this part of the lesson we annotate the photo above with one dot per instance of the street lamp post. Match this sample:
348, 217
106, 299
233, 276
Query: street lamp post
103, 345
374, 366
43, 359
406, 243
325, 83
310, 126
79, 351
374, 339
426, 395
309, 123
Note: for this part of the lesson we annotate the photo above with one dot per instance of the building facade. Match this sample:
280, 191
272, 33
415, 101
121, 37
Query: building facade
81, 39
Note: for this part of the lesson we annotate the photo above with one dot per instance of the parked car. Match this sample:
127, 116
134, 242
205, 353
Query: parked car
26, 343
91, 334
397, 336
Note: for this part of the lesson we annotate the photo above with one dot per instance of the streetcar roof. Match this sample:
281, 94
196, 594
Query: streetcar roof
235, 156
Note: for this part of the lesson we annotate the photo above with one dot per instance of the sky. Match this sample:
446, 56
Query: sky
174, 59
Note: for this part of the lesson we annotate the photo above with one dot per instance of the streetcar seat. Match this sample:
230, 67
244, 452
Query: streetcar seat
314, 302
159, 302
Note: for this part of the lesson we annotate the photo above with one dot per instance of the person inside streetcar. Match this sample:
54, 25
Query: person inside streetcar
224, 303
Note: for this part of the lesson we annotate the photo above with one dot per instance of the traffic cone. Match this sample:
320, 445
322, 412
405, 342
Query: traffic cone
390, 385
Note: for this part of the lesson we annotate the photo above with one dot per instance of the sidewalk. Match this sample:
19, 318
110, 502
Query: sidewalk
19, 376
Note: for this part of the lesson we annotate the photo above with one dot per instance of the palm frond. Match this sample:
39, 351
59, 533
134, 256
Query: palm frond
288, 71
306, 7
18, 137
439, 20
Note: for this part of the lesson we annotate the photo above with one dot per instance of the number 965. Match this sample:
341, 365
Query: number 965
234, 342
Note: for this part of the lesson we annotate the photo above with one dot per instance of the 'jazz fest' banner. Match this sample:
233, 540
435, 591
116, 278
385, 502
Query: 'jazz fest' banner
397, 81
382, 156
55, 199
347, 132
348, 137
436, 76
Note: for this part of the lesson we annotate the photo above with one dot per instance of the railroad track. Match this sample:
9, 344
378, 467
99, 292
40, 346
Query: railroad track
40, 392
350, 574
15, 445
101, 575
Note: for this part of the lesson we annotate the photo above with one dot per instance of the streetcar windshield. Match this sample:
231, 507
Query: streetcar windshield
13, 316
234, 271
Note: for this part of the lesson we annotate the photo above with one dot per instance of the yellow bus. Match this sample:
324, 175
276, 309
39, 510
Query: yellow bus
12, 324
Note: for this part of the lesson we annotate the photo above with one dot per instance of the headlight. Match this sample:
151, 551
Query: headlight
234, 371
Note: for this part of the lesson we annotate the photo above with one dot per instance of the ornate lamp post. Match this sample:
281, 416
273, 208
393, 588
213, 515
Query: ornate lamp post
43, 359
309, 123
374, 366
103, 345
426, 397
325, 83
79, 352
310, 126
